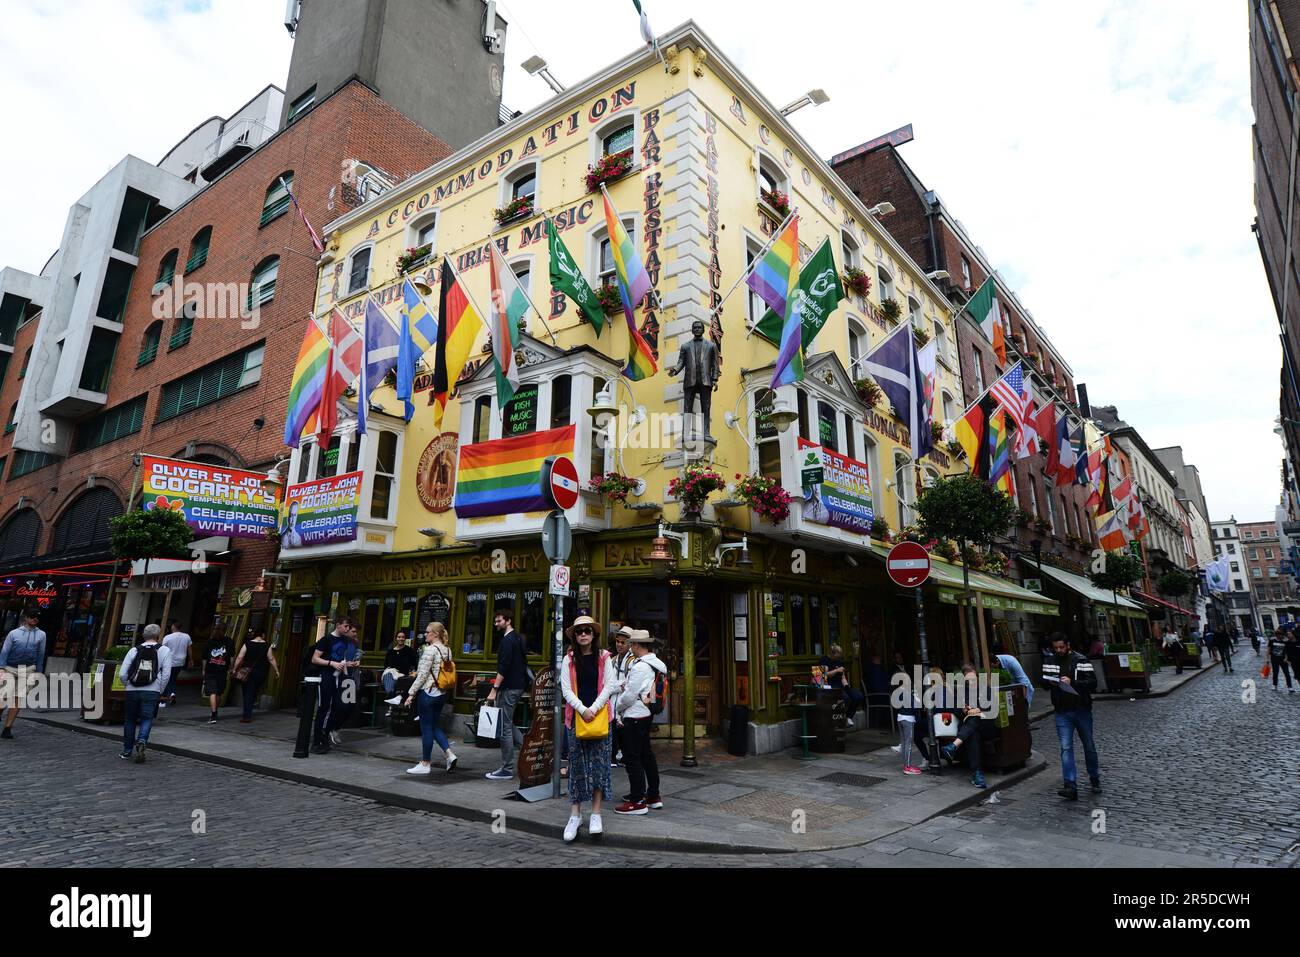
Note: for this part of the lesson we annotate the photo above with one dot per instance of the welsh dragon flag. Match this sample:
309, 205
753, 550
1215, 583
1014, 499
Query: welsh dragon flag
984, 307
509, 306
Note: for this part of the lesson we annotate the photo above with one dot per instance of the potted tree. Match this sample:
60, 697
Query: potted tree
1121, 570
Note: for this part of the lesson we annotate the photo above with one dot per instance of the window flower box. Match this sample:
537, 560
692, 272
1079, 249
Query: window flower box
765, 497
880, 530
921, 337
857, 282
414, 257
613, 487
890, 309
868, 392
608, 168
777, 201
513, 211
611, 303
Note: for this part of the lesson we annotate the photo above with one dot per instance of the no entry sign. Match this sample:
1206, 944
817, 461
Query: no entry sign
908, 564
563, 483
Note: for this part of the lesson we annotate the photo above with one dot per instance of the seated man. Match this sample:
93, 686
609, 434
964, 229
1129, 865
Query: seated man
968, 743
399, 669
836, 675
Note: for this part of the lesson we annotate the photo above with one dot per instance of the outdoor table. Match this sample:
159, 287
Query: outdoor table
804, 707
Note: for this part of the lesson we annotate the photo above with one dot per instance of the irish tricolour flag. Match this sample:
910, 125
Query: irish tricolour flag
984, 307
509, 306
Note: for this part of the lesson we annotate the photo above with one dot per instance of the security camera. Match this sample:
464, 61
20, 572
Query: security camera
491, 41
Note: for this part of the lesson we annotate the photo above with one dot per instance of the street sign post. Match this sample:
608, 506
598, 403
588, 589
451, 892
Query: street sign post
557, 545
557, 538
909, 565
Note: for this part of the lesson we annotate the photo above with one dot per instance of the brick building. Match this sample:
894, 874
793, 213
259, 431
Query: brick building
1054, 518
1272, 589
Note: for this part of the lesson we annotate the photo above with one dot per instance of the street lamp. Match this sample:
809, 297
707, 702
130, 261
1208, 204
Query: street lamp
605, 408
536, 66
661, 558
882, 210
782, 415
811, 98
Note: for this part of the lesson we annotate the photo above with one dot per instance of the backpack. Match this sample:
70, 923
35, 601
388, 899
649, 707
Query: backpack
144, 670
660, 700
447, 675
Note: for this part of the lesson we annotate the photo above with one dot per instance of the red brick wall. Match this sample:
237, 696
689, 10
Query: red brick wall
879, 177
353, 124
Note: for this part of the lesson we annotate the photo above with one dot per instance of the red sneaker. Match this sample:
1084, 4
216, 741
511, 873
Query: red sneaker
912, 770
632, 808
654, 803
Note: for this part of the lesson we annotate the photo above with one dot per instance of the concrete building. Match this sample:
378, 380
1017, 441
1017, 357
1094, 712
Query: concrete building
1191, 498
1237, 605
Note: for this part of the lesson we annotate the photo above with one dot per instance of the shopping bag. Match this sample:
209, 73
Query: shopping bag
1264, 672
945, 725
489, 723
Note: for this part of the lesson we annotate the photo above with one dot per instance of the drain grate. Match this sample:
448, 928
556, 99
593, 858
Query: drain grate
852, 780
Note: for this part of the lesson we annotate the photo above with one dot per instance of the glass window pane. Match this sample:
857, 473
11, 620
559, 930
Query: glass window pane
524, 186
779, 620
381, 497
815, 624
505, 600
798, 625
386, 454
329, 466
476, 622
619, 140
533, 626
354, 452
561, 404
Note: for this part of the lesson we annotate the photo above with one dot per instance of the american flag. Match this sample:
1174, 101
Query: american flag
1010, 394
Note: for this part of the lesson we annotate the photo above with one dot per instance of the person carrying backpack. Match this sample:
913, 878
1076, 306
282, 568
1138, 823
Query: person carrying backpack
644, 697
1278, 657
435, 683
145, 671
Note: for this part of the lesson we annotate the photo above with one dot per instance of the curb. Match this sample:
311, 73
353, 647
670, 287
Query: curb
1146, 696
1008, 781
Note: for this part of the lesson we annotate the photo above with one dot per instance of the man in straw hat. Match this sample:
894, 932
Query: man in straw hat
637, 718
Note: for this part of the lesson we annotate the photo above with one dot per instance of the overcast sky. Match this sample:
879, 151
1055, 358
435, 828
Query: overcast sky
1099, 152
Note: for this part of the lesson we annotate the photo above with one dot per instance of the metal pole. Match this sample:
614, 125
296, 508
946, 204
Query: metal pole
557, 657
970, 609
688, 674
932, 762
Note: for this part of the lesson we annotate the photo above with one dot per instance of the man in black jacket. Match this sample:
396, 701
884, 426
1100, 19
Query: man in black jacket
507, 687
1070, 678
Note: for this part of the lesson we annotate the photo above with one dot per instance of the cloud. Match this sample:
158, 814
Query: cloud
1099, 152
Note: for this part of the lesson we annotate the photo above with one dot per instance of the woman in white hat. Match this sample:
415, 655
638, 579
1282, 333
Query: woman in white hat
589, 685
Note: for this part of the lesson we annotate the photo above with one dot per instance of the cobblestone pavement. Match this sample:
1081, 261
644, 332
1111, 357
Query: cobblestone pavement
1198, 778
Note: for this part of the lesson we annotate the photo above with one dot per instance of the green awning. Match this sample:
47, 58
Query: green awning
999, 594
1125, 607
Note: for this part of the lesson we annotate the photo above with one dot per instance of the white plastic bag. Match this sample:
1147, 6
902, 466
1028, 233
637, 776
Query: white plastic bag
489, 723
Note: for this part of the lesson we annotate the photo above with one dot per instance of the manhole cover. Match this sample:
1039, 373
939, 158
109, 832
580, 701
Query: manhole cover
779, 808
852, 780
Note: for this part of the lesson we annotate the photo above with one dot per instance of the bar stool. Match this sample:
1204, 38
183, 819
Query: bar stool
804, 707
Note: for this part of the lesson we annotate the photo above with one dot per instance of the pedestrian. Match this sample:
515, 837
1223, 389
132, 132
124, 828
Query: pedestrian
399, 669
1173, 648
1293, 652
1225, 643
1211, 641
1072, 681
907, 726
635, 709
837, 676
1278, 657
330, 658
589, 684
178, 643
968, 743
623, 659
507, 687
429, 698
255, 661
22, 661
216, 668
1254, 641
1011, 665
145, 670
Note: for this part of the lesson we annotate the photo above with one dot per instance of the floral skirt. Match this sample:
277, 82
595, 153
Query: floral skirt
588, 767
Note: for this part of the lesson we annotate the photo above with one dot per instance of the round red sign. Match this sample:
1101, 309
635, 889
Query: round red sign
908, 564
564, 483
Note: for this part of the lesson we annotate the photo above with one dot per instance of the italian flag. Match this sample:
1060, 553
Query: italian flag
509, 306
984, 307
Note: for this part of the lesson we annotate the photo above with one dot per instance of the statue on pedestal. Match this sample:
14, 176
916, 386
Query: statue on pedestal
698, 358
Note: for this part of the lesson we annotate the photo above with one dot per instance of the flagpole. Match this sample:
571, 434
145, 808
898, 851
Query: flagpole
527, 297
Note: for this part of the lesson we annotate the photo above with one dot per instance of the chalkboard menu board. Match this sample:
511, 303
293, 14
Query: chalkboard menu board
521, 413
435, 606
537, 757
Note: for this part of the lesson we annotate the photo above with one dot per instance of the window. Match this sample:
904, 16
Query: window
359, 271
277, 198
262, 288
979, 372
618, 140
914, 313
1232, 549
424, 232
1254, 552
111, 425
12, 422
850, 428
27, 358
602, 255
941, 340
607, 272
886, 283
1268, 554
965, 272
20, 536
27, 462
99, 360
1272, 573
199, 249
83, 526
849, 251
859, 345
904, 487
524, 186
802, 403
949, 407
211, 383
767, 438
523, 271
301, 106
1255, 572
482, 419
599, 437
382, 499
167, 269
519, 184
771, 176
1235, 566
871, 456
757, 308
183, 331
561, 401
827, 427
1033, 501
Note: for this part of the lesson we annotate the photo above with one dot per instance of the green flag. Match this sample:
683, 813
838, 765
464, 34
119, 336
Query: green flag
568, 278
819, 281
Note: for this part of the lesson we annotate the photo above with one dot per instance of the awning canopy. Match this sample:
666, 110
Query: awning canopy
998, 594
1153, 600
1082, 586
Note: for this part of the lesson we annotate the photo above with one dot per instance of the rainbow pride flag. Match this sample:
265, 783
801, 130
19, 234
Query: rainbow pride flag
504, 477
633, 287
775, 278
307, 385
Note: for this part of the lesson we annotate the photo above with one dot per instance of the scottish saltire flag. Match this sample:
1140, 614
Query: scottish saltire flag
633, 287
896, 369
382, 346
307, 385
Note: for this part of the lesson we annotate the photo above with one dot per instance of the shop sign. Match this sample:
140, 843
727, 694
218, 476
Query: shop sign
626, 556
214, 500
421, 571
40, 592
843, 498
175, 581
521, 413
810, 471
436, 477
322, 512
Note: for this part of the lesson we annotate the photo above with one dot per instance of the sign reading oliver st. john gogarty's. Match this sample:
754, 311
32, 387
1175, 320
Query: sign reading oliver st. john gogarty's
214, 500
323, 512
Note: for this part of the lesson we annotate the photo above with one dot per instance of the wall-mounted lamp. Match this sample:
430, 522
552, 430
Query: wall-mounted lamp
811, 98
939, 275
744, 561
882, 209
661, 558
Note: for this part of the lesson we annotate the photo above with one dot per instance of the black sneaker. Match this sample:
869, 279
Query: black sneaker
321, 749
213, 719
1069, 792
138, 756
1096, 785
7, 734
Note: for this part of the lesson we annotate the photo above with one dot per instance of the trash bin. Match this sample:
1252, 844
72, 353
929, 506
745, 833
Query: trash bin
828, 722
738, 732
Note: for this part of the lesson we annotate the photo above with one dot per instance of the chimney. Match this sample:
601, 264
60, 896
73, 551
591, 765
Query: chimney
1084, 408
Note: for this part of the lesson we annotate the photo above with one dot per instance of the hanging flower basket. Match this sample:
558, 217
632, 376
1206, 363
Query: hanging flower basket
945, 549
996, 563
610, 300
936, 431
890, 309
973, 558
1042, 526
613, 487
607, 169
694, 486
921, 336
777, 201
414, 256
910, 533
520, 208
857, 282
880, 529
765, 497
868, 392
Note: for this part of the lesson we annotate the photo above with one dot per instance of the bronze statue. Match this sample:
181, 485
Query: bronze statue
699, 358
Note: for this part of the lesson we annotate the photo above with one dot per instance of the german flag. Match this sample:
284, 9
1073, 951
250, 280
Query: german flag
972, 432
458, 326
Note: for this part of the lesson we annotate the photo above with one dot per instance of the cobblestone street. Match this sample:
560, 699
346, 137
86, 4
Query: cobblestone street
1197, 778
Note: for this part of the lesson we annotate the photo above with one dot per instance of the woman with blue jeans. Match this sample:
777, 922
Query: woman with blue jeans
429, 699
